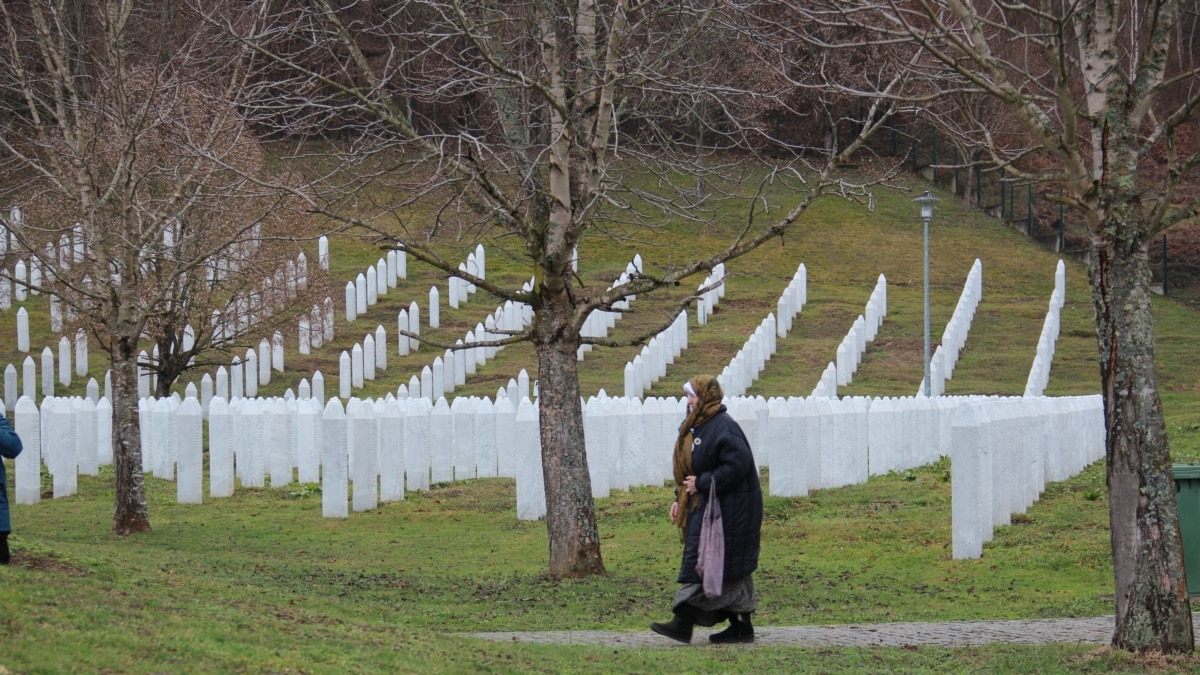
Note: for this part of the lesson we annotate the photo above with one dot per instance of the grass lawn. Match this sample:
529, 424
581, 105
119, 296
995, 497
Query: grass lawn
260, 582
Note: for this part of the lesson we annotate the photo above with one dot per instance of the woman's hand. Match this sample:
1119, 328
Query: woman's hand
674, 512
689, 484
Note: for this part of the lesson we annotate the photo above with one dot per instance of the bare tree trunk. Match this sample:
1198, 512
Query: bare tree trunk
130, 514
570, 511
1151, 592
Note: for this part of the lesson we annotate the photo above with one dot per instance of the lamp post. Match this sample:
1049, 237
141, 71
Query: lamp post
926, 201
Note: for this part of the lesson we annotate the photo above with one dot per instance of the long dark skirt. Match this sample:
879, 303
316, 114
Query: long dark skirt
736, 597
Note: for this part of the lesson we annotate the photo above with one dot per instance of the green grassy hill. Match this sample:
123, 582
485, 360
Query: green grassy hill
260, 582
844, 248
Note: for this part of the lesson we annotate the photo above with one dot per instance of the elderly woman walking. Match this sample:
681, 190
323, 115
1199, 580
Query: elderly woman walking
711, 449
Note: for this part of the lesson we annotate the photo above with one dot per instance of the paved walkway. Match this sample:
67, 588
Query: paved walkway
1093, 630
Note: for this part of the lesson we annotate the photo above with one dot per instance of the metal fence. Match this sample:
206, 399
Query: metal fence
1031, 207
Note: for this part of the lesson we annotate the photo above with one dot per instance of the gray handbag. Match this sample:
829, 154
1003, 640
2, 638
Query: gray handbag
710, 561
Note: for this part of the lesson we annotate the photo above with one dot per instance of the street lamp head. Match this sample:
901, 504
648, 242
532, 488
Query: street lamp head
926, 200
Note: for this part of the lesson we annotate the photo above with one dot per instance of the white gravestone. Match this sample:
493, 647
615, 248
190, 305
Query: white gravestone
381, 348
435, 320
460, 364
81, 353
276, 354
441, 442
360, 294
368, 353
189, 421
47, 372
531, 490
391, 269
381, 279
206, 393
463, 414
416, 444
104, 440
308, 466
427, 384
356, 366
28, 425
29, 378
334, 487
351, 301
363, 458
414, 326
250, 371
20, 289
485, 438
277, 441
264, 363
304, 332
236, 381
439, 379
344, 382
318, 387
391, 452
504, 418
22, 330
11, 392
402, 341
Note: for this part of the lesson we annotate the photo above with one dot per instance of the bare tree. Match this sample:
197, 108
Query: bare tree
125, 165
538, 123
1096, 97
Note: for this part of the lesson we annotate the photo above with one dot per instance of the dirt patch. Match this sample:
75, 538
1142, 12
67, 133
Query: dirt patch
45, 563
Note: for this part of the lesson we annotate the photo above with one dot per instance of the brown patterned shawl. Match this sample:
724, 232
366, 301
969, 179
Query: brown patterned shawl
709, 395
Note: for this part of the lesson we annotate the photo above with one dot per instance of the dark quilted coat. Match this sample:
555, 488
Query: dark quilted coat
721, 452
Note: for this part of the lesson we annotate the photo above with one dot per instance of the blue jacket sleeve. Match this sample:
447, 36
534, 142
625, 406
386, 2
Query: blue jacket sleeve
10, 442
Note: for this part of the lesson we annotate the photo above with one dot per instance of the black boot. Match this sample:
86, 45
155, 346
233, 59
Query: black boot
4, 555
679, 628
740, 630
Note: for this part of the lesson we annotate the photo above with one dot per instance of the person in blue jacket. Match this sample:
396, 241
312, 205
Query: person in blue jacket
10, 447
712, 447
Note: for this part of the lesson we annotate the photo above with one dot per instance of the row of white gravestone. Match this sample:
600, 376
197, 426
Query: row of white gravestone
711, 290
366, 288
248, 310
748, 363
817, 442
228, 384
1004, 453
1039, 372
29, 378
316, 328
445, 374
1003, 450
26, 281
599, 322
863, 330
791, 301
26, 385
650, 365
387, 443
70, 436
945, 358
840, 372
459, 288
745, 366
